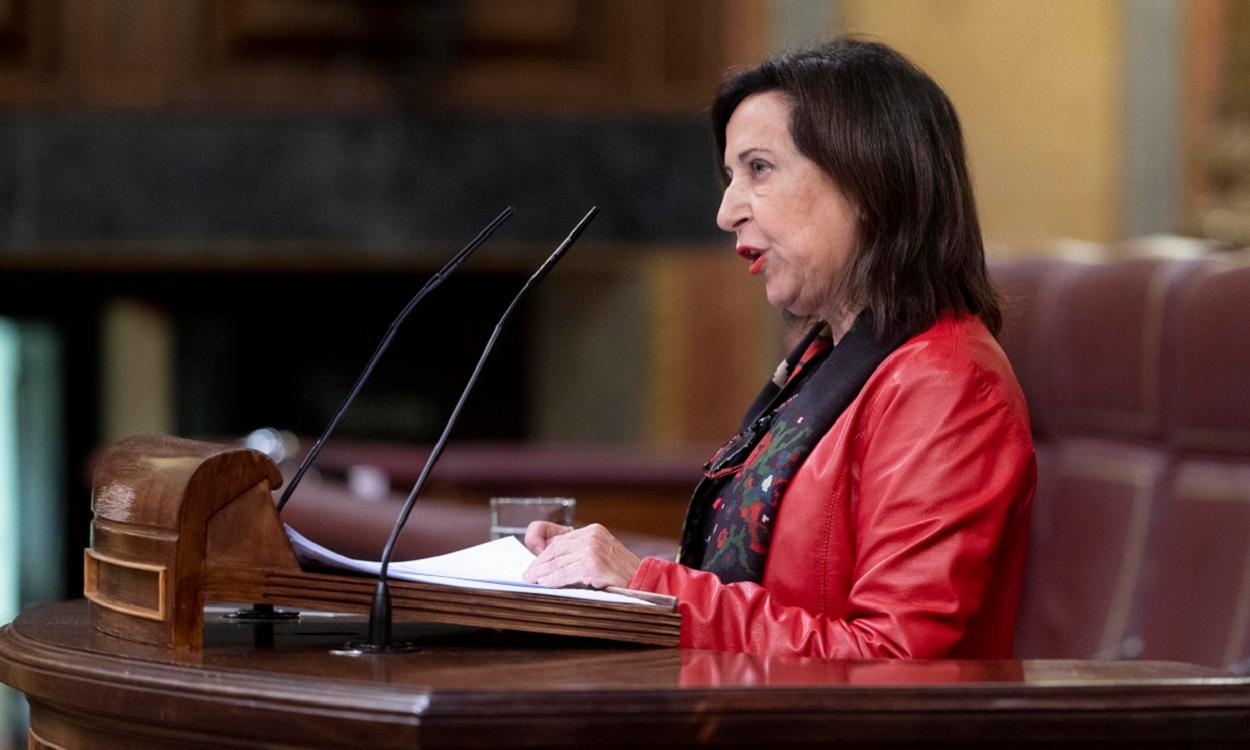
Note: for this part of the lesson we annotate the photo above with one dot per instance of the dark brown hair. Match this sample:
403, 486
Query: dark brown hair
890, 140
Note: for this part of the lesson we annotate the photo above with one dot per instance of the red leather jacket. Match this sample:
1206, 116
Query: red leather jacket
904, 532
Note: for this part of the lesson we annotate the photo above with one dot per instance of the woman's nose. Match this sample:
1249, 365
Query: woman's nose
734, 210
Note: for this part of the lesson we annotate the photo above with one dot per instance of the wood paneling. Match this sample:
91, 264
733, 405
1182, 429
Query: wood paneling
1217, 123
478, 55
714, 342
30, 48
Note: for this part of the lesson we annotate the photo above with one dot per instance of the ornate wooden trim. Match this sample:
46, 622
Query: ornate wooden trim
92, 561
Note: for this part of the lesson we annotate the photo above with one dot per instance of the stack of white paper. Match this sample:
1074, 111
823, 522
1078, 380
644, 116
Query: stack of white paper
492, 566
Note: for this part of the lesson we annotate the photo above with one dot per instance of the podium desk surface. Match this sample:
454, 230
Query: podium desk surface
292, 684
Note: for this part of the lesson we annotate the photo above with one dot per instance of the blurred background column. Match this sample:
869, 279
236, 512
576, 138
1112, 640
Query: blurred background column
1154, 35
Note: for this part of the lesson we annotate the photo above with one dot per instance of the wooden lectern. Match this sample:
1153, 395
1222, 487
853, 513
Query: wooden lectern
179, 523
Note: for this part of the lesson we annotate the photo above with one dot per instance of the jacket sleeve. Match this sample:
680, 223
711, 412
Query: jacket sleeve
945, 475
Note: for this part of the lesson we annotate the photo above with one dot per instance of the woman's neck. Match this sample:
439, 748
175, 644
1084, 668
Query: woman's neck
841, 323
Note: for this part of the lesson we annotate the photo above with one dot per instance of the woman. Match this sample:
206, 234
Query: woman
876, 503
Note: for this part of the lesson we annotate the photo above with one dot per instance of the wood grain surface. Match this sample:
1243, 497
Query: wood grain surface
294, 685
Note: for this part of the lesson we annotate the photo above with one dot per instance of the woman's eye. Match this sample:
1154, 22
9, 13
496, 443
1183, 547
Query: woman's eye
759, 167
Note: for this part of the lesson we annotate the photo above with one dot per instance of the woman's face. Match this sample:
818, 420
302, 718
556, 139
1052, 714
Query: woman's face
793, 224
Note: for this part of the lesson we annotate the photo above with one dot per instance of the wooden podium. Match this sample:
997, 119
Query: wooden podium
142, 663
179, 523
289, 685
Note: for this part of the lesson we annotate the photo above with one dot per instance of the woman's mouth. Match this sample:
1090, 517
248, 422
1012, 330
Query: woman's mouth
755, 255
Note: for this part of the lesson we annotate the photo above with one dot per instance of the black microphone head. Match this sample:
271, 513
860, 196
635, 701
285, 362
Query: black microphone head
555, 257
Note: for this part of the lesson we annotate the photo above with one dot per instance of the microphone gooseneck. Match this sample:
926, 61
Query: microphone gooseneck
429, 286
380, 613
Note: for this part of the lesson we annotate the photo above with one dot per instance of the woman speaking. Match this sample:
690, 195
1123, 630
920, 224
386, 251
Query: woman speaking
876, 501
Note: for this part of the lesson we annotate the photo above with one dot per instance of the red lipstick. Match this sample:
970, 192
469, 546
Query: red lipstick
755, 255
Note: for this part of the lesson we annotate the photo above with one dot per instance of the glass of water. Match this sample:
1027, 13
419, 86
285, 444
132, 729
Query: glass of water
510, 516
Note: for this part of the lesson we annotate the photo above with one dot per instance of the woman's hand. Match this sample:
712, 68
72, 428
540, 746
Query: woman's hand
540, 533
589, 555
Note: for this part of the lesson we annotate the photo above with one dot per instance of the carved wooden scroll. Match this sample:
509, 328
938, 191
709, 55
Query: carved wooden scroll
164, 507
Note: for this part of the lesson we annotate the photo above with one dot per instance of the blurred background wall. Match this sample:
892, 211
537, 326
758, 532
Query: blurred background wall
210, 209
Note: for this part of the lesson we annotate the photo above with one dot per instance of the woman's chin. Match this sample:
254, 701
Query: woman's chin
789, 304
779, 300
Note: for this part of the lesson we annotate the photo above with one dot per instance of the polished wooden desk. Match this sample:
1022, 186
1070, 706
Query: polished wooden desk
284, 685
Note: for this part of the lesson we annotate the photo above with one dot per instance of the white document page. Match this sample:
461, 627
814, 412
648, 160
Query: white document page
492, 566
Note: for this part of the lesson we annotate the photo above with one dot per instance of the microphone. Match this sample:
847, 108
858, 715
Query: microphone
431, 284
380, 615
266, 612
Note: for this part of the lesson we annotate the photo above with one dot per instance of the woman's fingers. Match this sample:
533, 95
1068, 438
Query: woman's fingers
549, 571
554, 552
540, 533
589, 556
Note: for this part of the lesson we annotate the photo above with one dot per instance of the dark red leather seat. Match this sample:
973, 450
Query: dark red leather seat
1092, 515
1094, 368
1026, 288
1194, 601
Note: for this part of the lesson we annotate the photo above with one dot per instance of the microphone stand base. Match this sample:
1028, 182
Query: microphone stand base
261, 613
365, 647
